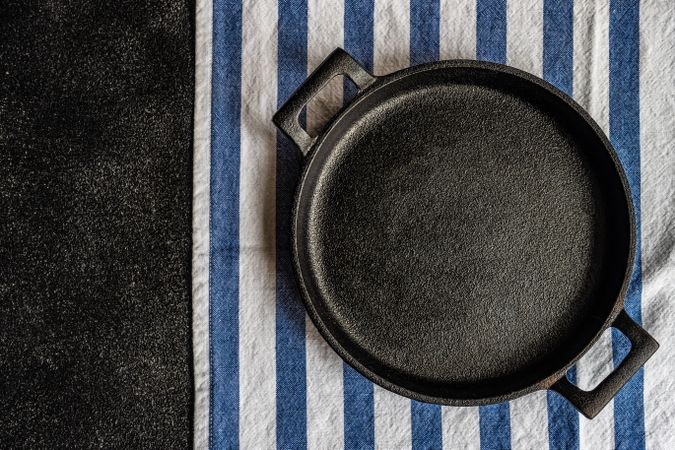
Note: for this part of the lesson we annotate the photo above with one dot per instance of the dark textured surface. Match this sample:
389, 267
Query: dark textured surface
462, 234
95, 189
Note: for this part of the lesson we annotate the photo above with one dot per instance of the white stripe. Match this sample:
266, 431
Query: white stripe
525, 35
591, 59
529, 421
657, 141
392, 420
257, 255
200, 222
525, 51
592, 368
461, 428
457, 29
590, 88
325, 411
325, 32
391, 36
391, 52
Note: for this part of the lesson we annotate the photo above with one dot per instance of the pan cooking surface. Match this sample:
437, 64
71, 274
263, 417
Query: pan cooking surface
462, 229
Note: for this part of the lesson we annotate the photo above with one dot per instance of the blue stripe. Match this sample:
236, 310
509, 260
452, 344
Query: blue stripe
624, 130
359, 404
558, 44
290, 314
491, 30
427, 432
359, 410
224, 226
495, 427
358, 40
424, 31
424, 38
495, 421
563, 418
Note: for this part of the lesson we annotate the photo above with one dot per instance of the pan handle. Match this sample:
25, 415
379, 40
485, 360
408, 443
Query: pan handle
339, 62
590, 403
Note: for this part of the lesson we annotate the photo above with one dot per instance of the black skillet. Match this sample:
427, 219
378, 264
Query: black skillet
462, 233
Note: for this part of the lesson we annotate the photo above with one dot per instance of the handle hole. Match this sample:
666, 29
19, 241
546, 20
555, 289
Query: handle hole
350, 90
598, 362
323, 106
621, 346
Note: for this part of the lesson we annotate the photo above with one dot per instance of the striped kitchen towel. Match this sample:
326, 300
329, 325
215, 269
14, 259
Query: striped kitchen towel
264, 379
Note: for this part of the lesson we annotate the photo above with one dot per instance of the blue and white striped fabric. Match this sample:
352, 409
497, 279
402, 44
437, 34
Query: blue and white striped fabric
264, 379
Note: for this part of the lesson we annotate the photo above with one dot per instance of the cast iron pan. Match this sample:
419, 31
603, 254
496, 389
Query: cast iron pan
462, 233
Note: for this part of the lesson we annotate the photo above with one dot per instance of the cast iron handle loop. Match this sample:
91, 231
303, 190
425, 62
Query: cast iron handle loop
338, 62
590, 403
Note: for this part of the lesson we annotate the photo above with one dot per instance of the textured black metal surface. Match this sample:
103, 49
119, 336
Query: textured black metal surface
462, 233
95, 194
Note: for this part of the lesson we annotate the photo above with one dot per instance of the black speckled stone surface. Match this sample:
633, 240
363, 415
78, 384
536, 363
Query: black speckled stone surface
95, 224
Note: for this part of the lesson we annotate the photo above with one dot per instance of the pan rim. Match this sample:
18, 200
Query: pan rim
541, 383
